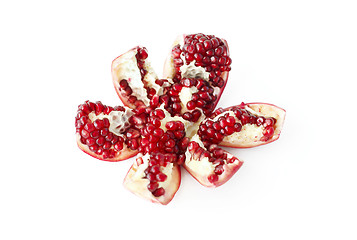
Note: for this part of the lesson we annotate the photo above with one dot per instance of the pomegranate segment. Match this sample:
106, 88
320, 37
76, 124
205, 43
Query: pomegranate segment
134, 79
244, 125
101, 130
154, 177
200, 56
208, 164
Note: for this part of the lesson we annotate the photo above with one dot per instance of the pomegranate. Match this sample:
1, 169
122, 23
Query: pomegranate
172, 121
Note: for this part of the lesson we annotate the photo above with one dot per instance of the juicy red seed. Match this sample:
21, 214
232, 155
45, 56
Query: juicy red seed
176, 107
183, 143
229, 130
89, 127
151, 176
104, 132
210, 132
260, 121
142, 53
192, 146
155, 169
268, 132
93, 148
159, 192
153, 186
107, 145
179, 134
245, 119
198, 57
90, 141
171, 143
212, 178
269, 122
181, 159
189, 57
132, 133
207, 44
123, 84
171, 125
223, 123
100, 141
219, 169
106, 122
152, 162
99, 107
118, 146
161, 177
144, 141
85, 108
98, 124
216, 126
158, 132
180, 125
99, 151
190, 49
187, 116
191, 105
160, 114
84, 133
95, 134
83, 120
109, 137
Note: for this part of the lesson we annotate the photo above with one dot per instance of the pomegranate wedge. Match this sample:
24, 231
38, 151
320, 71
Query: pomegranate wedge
154, 177
101, 131
244, 125
208, 164
200, 56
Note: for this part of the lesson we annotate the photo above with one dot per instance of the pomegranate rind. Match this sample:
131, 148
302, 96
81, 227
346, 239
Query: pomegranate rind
138, 186
169, 70
201, 173
124, 154
265, 110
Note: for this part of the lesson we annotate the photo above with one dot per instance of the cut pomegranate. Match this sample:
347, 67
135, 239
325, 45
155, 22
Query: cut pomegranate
101, 131
154, 177
173, 121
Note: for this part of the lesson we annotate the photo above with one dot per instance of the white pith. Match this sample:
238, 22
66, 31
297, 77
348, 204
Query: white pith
192, 71
119, 120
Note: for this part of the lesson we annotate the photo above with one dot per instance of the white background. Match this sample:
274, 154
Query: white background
300, 55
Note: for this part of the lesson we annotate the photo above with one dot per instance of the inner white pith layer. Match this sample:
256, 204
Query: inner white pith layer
119, 121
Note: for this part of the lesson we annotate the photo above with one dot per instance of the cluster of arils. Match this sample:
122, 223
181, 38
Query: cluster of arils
170, 122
